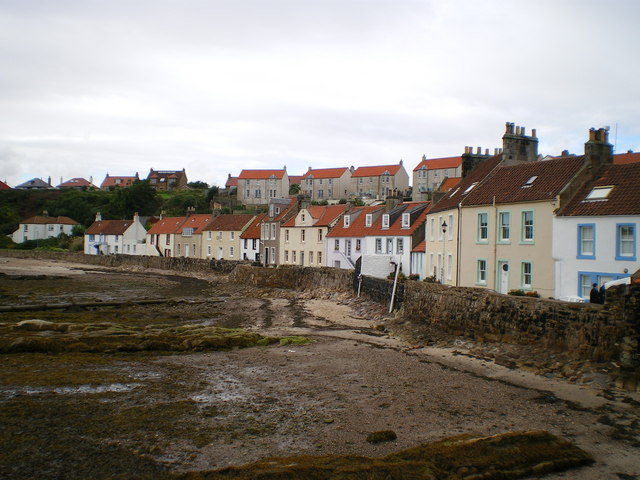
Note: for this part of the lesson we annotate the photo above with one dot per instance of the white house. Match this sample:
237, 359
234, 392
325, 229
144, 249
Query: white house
41, 227
595, 235
250, 240
110, 237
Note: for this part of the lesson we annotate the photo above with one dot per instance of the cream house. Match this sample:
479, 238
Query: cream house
326, 183
222, 236
188, 236
379, 182
257, 187
161, 237
303, 237
431, 172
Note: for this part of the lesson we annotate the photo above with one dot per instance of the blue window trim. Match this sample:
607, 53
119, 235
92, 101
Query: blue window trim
629, 257
482, 241
594, 279
522, 285
486, 272
499, 239
580, 256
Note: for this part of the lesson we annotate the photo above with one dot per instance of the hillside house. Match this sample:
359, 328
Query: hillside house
379, 182
110, 182
326, 183
167, 180
258, 187
41, 227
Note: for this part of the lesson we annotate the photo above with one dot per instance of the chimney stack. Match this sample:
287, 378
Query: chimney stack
517, 147
598, 150
98, 217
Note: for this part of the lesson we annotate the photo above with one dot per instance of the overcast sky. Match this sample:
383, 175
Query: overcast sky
214, 86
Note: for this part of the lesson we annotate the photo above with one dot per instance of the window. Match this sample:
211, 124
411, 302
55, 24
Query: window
599, 193
209, 235
440, 228
585, 285
319, 234
208, 250
116, 249
433, 228
378, 245
336, 245
400, 246
178, 247
91, 238
385, 220
273, 254
347, 221
527, 275
450, 229
470, 187
529, 182
449, 266
168, 240
302, 235
273, 231
51, 228
368, 220
527, 226
302, 217
432, 267
219, 235
358, 245
504, 219
232, 235
389, 245
128, 248
586, 241
481, 275
194, 249
483, 227
319, 258
286, 235
293, 256
625, 241
286, 256
231, 251
310, 257
187, 232
406, 220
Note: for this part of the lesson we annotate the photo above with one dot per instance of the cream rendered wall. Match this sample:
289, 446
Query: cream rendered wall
340, 187
515, 251
280, 185
437, 243
225, 244
188, 246
314, 242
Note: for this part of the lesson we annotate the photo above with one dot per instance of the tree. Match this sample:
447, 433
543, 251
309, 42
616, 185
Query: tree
294, 189
140, 197
198, 185
211, 193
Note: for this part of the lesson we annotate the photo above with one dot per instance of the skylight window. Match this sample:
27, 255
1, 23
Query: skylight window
599, 193
529, 182
470, 187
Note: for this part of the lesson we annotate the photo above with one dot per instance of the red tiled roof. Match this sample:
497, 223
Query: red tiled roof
449, 183
376, 171
507, 184
197, 221
167, 225
110, 181
421, 247
261, 174
624, 198
108, 227
254, 230
295, 179
75, 182
395, 228
231, 182
325, 172
285, 208
324, 215
453, 197
42, 220
625, 158
356, 226
229, 222
4, 186
437, 163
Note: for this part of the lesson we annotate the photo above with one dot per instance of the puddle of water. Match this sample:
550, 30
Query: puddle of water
81, 389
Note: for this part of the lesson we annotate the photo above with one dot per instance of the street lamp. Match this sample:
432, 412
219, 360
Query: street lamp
444, 231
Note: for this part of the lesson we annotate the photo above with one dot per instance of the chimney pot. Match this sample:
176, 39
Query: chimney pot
533, 132
479, 151
486, 151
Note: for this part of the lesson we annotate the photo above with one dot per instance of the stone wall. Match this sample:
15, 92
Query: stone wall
296, 278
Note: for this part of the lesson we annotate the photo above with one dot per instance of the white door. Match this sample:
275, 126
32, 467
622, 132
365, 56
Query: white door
348, 248
503, 277
186, 250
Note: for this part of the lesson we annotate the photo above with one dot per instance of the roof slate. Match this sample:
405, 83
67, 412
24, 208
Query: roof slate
324, 215
356, 226
325, 173
42, 220
254, 230
229, 222
197, 221
260, 174
624, 198
108, 227
110, 181
167, 225
625, 158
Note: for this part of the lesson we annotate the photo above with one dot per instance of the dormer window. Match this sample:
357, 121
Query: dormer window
187, 232
271, 208
529, 182
347, 221
599, 193
368, 220
406, 220
277, 210
302, 217
385, 220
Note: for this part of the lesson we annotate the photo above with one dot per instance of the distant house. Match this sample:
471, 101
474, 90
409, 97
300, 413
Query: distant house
379, 182
167, 180
595, 236
35, 184
77, 184
41, 227
188, 236
4, 186
161, 237
304, 238
258, 187
250, 240
110, 182
280, 210
431, 172
326, 183
221, 237
111, 237
231, 185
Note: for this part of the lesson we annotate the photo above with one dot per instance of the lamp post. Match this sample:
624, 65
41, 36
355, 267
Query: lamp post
444, 231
